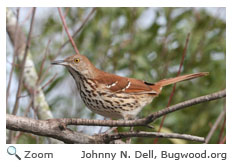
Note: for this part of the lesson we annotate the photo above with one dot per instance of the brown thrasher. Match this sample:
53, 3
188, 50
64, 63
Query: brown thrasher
111, 95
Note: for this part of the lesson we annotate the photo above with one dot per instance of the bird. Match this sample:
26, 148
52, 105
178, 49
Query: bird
114, 96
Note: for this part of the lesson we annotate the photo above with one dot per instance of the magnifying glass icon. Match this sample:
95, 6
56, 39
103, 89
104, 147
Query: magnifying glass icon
11, 150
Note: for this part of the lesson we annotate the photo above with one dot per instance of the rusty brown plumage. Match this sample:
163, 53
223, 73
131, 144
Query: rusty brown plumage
112, 95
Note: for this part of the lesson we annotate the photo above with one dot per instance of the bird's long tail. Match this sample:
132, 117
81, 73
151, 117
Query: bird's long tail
158, 85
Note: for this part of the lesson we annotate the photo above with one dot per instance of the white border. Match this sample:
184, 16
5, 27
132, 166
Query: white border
228, 74
69, 154
3, 76
118, 3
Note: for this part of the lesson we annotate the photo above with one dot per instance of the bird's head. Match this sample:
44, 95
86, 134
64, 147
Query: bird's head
77, 63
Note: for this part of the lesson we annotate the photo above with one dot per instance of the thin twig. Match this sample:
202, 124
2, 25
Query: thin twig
14, 56
43, 60
66, 29
23, 64
212, 130
222, 130
12, 63
49, 81
77, 31
174, 86
27, 16
116, 136
28, 107
223, 140
83, 23
22, 96
42, 78
223, 125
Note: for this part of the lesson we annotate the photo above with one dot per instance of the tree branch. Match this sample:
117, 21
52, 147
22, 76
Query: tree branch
46, 128
110, 137
51, 128
57, 129
188, 103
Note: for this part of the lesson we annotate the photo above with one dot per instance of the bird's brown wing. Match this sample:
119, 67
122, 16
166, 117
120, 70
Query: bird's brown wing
117, 83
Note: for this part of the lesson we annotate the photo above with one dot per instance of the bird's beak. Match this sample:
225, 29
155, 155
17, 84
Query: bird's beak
59, 62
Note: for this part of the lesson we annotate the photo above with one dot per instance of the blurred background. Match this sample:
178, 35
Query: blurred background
143, 43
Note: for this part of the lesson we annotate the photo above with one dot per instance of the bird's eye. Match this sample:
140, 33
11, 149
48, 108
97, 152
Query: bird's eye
76, 60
